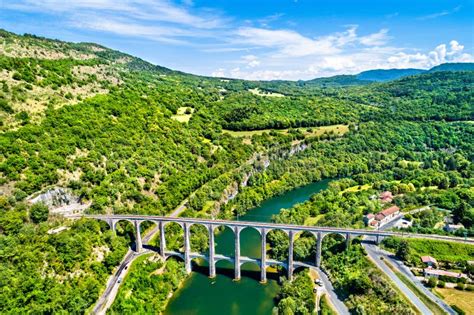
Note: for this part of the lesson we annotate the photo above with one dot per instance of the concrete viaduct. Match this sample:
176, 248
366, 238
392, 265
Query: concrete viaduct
262, 228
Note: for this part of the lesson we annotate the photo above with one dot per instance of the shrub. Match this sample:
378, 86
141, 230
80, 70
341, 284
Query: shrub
460, 286
432, 282
441, 284
39, 212
470, 287
16, 76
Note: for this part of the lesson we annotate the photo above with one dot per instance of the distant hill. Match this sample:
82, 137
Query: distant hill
338, 80
387, 75
381, 75
460, 66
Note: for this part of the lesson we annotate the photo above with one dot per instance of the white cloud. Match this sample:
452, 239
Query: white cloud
158, 10
439, 14
375, 39
289, 43
349, 62
437, 56
251, 61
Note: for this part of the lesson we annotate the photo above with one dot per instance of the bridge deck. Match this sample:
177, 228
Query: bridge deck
273, 226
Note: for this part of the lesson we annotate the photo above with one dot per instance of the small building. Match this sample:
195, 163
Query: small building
382, 217
386, 197
429, 261
369, 218
388, 214
453, 227
429, 272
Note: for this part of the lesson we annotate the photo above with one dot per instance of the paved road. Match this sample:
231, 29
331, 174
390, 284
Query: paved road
374, 255
338, 305
397, 264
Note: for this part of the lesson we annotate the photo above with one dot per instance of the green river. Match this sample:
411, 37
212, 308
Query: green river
221, 295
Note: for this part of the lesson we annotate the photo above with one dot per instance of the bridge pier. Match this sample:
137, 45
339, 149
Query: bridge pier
263, 259
237, 253
290, 255
212, 252
378, 239
138, 237
319, 244
187, 249
162, 240
111, 224
348, 240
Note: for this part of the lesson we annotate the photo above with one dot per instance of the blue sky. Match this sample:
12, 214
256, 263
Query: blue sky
291, 39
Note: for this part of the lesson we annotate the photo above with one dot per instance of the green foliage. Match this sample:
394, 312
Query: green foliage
39, 212
53, 273
361, 284
432, 282
442, 251
297, 297
147, 287
123, 152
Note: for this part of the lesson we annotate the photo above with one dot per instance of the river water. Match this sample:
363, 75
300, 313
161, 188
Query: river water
221, 295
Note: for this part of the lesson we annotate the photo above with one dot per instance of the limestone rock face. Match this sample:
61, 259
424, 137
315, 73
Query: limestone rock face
61, 201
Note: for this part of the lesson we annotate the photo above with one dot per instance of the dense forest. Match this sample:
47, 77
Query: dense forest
104, 125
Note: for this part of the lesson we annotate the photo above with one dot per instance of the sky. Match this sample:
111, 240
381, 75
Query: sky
260, 40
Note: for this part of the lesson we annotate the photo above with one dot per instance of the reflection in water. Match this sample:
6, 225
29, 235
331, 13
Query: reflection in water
222, 295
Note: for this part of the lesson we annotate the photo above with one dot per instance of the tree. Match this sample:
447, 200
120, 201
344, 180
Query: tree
39, 212
403, 250
287, 306
432, 282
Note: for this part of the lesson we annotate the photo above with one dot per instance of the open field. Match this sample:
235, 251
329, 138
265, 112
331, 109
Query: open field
446, 251
356, 188
259, 92
181, 115
462, 299
308, 132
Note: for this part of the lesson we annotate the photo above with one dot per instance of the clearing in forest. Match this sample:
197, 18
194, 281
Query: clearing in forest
183, 114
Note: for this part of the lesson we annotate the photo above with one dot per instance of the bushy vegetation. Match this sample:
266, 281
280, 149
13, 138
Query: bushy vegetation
148, 285
444, 252
118, 147
54, 273
363, 287
297, 297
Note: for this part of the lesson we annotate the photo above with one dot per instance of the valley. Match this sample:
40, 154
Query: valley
127, 137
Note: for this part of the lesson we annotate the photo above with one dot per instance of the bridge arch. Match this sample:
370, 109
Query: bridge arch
175, 255
280, 237
224, 241
251, 235
199, 238
333, 242
304, 249
174, 237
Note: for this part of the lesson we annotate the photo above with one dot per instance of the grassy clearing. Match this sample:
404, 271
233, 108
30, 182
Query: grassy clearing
462, 299
313, 220
308, 132
426, 300
443, 251
356, 188
182, 116
259, 92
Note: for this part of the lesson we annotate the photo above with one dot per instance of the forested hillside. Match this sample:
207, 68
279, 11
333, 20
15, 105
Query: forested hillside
130, 137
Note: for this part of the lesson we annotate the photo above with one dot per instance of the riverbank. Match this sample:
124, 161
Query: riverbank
223, 295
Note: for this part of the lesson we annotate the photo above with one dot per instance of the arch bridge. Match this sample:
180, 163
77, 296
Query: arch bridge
262, 228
